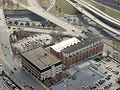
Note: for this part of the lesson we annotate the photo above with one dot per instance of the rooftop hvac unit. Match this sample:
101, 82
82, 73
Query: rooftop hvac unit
45, 54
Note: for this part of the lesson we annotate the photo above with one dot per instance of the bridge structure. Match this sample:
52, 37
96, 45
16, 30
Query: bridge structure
71, 29
93, 17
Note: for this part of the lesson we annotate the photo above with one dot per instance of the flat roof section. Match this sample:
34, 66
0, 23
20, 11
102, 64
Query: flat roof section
60, 46
40, 58
91, 38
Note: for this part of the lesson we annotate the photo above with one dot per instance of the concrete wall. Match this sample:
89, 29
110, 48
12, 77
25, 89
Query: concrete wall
16, 12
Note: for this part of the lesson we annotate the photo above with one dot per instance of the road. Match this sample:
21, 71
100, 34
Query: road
43, 13
47, 31
94, 18
98, 12
113, 6
52, 3
6, 57
4, 41
33, 3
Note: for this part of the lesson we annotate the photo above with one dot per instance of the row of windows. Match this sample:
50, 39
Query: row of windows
26, 68
35, 73
31, 68
89, 51
80, 57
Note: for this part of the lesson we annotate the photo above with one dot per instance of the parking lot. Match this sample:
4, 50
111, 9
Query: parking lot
3, 86
82, 77
111, 71
92, 75
8, 84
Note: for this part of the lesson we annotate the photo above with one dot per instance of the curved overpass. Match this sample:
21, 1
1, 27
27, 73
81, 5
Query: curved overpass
93, 18
98, 12
43, 13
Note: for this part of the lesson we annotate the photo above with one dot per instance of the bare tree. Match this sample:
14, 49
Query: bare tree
114, 56
8, 2
18, 5
108, 52
11, 4
3, 3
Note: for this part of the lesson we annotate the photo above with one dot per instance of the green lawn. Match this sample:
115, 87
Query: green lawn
44, 3
66, 8
23, 2
10, 5
106, 10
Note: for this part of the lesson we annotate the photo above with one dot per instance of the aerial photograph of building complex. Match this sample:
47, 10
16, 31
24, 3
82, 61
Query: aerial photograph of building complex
59, 44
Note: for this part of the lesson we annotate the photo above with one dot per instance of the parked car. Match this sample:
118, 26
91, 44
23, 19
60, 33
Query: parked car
107, 67
15, 68
9, 82
105, 72
104, 62
13, 86
16, 88
92, 87
116, 72
118, 65
106, 87
12, 72
110, 84
102, 89
97, 84
31, 87
98, 64
5, 78
107, 78
0, 64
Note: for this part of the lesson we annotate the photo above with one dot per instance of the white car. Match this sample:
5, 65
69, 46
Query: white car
0, 64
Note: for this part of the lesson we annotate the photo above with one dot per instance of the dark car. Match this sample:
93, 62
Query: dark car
15, 68
12, 72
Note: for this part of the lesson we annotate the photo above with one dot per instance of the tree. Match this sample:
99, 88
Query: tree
56, 7
3, 3
49, 24
114, 56
27, 24
59, 10
54, 25
16, 33
43, 24
21, 24
8, 2
18, 5
11, 4
16, 22
108, 52
10, 22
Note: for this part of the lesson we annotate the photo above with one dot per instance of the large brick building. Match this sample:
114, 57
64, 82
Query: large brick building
74, 50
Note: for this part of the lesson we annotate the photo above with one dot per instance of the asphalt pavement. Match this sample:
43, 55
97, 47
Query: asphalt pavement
114, 6
8, 60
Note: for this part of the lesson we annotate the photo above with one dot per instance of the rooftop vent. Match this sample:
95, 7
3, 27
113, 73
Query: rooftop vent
45, 54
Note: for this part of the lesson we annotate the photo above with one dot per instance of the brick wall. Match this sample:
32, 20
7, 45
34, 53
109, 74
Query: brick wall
54, 52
